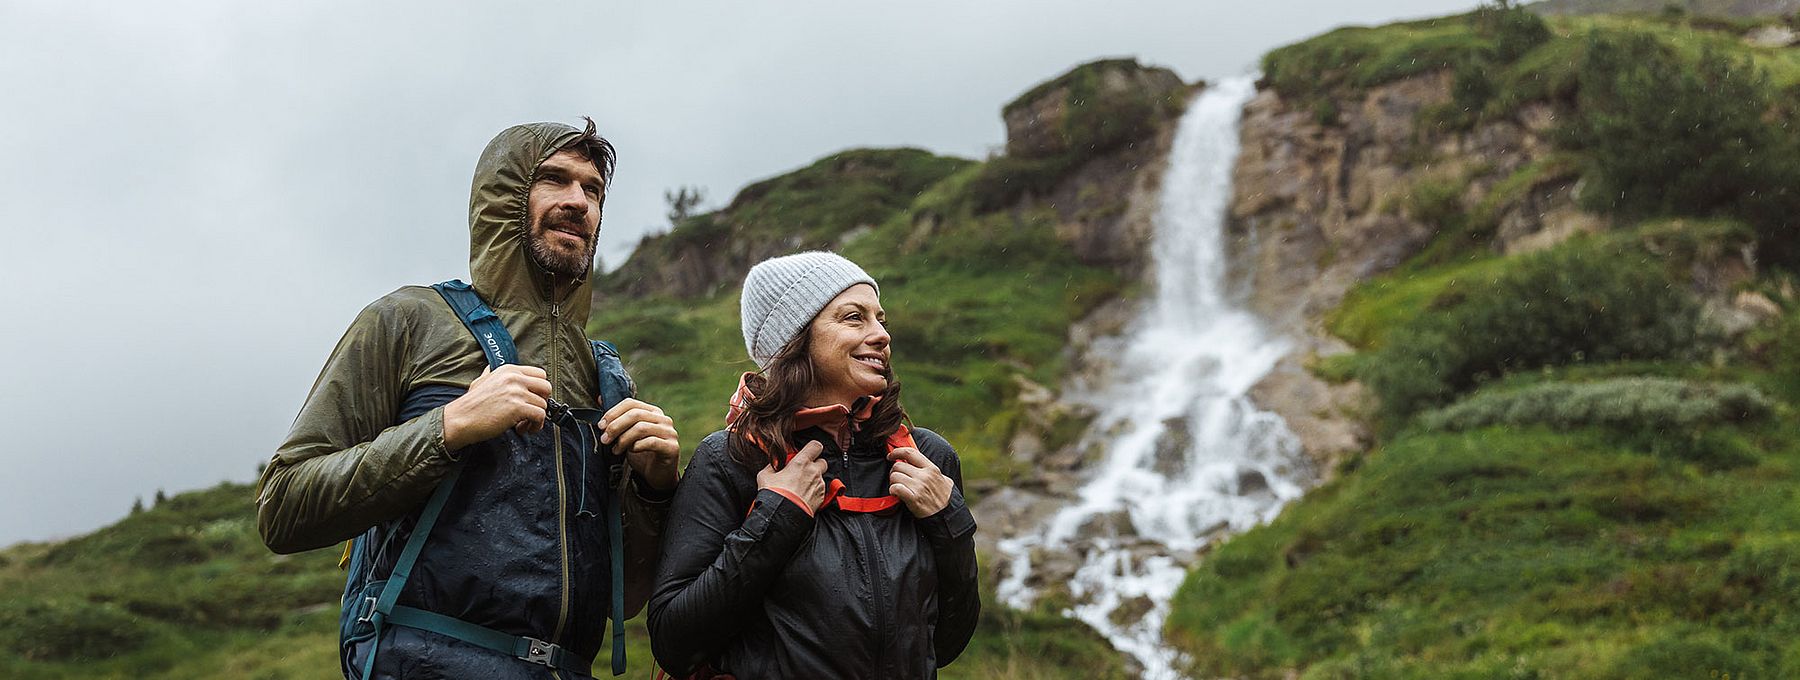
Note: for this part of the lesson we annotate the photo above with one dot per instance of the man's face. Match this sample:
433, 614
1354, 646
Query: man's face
563, 212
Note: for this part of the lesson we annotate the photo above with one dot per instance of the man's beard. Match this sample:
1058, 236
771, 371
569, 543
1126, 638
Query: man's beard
555, 260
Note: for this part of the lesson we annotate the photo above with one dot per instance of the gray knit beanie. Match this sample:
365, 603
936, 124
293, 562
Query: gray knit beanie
783, 294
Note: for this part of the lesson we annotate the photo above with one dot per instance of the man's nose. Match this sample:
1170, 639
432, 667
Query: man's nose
572, 197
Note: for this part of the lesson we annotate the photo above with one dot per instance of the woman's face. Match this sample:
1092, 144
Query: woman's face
849, 347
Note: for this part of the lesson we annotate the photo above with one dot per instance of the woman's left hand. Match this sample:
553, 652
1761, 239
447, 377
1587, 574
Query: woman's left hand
918, 482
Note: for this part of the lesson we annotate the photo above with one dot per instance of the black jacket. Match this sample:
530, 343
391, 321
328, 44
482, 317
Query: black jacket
753, 586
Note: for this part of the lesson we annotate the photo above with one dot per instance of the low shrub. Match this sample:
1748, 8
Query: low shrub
69, 630
1579, 303
1666, 134
1623, 403
1514, 29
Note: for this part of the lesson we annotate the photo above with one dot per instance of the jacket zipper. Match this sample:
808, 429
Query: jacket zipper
876, 560
862, 521
562, 498
562, 534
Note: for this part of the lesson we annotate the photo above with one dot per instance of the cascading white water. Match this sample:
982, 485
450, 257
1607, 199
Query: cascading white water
1188, 457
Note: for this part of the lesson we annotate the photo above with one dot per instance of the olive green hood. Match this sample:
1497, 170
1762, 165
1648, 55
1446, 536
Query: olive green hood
499, 267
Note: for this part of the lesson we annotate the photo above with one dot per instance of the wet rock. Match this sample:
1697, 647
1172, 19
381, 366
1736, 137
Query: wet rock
1115, 524
1072, 457
854, 233
1772, 36
1743, 312
1217, 530
1130, 611
1026, 446
1011, 509
1250, 482
1543, 217
1327, 418
1172, 447
1756, 305
1052, 567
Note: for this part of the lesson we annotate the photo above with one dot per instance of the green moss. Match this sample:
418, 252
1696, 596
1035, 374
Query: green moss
1073, 78
1375, 307
1335, 369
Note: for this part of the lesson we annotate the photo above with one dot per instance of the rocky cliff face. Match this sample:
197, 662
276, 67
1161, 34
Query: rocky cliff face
1323, 205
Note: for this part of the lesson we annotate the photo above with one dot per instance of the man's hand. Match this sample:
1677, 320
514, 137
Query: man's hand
498, 400
803, 476
647, 438
918, 482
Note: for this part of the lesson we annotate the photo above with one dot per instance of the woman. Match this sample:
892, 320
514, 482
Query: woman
817, 536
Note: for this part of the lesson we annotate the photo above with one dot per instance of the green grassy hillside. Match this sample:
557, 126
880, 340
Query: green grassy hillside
1715, 8
1576, 476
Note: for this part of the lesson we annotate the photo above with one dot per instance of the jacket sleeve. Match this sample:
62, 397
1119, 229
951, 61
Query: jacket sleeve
345, 466
646, 512
718, 562
951, 533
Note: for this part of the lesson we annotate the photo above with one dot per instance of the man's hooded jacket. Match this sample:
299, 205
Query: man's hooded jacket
521, 545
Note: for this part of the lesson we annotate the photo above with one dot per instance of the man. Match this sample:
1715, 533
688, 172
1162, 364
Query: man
520, 548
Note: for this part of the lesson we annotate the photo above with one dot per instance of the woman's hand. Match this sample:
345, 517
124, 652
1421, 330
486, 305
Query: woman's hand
802, 478
918, 482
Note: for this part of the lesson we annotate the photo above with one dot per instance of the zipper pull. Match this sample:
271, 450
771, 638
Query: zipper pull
555, 309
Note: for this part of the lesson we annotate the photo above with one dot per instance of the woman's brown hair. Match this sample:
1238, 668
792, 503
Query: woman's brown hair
760, 433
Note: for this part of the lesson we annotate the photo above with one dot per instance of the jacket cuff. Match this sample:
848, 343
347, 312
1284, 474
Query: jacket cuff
435, 449
775, 518
954, 522
791, 496
650, 494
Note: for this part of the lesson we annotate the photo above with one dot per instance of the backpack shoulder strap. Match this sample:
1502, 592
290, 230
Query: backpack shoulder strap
496, 343
615, 386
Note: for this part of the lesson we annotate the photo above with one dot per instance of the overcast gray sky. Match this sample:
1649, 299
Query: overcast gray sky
198, 195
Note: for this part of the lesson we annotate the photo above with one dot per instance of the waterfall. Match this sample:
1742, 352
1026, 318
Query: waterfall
1187, 457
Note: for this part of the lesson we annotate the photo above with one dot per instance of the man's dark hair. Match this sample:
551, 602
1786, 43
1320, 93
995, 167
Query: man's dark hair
598, 151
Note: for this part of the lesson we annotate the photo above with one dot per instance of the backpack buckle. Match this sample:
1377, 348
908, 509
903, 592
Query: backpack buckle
368, 610
540, 652
555, 411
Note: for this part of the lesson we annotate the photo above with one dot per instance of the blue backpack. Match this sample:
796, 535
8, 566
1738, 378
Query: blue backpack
364, 618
